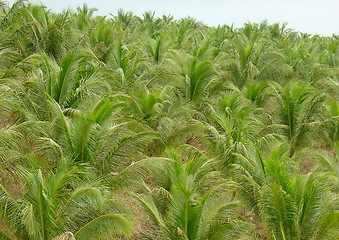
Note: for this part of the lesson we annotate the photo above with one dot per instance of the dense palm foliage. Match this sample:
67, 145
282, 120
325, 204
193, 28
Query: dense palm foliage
152, 128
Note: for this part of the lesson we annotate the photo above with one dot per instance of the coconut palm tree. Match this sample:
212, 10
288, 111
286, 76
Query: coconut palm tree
194, 77
292, 206
123, 18
101, 39
249, 59
234, 125
84, 16
299, 109
59, 202
39, 31
185, 207
91, 137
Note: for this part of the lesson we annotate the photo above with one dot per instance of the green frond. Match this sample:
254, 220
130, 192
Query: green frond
135, 171
38, 212
4, 236
49, 148
63, 175
9, 137
61, 122
184, 212
329, 227
104, 226
311, 203
6, 201
150, 209
30, 222
81, 193
279, 211
329, 162
67, 74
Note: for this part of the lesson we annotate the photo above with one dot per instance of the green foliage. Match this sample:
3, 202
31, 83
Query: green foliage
215, 132
184, 210
59, 202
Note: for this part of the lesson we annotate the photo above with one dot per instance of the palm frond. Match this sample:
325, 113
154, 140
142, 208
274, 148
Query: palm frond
279, 211
329, 226
144, 168
4, 236
104, 226
150, 209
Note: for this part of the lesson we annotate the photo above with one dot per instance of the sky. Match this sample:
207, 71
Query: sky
311, 16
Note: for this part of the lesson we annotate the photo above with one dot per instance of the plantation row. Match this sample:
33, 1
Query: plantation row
127, 127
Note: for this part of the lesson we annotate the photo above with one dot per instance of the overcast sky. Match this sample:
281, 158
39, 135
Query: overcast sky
311, 16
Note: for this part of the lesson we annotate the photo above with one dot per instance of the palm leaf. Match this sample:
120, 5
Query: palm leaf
329, 227
4, 236
104, 226
150, 209
141, 169
279, 211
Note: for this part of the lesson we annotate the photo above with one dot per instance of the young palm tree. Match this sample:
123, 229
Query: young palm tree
249, 59
298, 108
58, 202
194, 77
292, 206
235, 124
123, 18
185, 207
94, 136
84, 16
